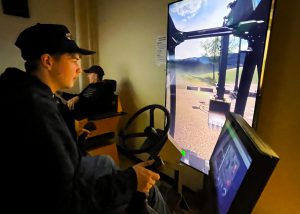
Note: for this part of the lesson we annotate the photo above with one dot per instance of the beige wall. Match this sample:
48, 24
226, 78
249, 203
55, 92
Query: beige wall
279, 118
127, 36
41, 11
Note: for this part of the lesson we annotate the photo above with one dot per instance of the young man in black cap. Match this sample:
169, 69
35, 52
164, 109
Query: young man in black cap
42, 171
97, 98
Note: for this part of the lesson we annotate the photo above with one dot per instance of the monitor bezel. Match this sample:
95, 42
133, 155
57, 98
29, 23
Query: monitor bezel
264, 160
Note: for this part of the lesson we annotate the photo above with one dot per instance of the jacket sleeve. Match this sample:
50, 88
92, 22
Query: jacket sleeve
97, 186
108, 187
92, 185
68, 182
67, 96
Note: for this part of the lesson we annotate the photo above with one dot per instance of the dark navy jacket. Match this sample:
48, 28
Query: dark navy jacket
42, 170
96, 98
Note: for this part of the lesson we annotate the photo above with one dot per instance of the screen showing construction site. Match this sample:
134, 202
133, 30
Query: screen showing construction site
215, 52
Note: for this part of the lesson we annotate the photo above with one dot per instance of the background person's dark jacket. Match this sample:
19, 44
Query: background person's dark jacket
42, 171
96, 98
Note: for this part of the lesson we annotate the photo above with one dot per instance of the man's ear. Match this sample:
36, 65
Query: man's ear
47, 61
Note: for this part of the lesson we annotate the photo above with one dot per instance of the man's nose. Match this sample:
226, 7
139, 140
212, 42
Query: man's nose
79, 70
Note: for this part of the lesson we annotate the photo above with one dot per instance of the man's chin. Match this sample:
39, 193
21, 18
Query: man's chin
68, 86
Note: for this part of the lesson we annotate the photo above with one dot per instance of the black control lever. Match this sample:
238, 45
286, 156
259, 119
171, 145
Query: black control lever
157, 165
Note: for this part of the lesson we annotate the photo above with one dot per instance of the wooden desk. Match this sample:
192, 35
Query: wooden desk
105, 124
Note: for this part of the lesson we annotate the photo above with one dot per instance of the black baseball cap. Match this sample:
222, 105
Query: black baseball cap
95, 69
47, 38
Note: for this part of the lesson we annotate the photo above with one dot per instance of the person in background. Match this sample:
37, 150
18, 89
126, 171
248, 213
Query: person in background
42, 170
96, 98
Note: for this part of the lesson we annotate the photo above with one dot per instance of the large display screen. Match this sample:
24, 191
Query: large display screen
215, 52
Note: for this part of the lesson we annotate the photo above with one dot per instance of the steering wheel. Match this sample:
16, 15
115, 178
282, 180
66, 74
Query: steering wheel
155, 137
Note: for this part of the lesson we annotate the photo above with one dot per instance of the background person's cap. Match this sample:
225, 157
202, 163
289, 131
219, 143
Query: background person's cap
47, 38
95, 69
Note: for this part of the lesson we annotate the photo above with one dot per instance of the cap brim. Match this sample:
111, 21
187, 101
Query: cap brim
85, 52
88, 71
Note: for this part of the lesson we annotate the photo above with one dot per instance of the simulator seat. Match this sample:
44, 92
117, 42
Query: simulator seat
101, 132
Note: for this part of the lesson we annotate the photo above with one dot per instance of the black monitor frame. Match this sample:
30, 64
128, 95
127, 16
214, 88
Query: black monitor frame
263, 161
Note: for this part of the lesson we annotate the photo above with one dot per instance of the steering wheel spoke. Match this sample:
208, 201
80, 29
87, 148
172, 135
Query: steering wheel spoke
134, 135
155, 138
152, 117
